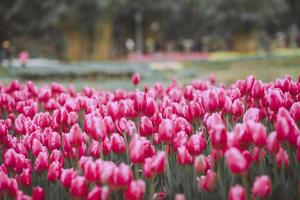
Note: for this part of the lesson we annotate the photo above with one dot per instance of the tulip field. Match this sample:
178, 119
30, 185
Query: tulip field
200, 140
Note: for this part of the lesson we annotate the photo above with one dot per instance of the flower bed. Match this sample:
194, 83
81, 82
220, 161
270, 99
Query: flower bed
200, 141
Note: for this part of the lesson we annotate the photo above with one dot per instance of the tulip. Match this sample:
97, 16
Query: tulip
38, 193
200, 164
183, 156
274, 98
166, 130
107, 172
135, 79
98, 193
41, 162
54, 171
180, 139
122, 176
117, 143
196, 144
54, 141
237, 192
79, 187
257, 89
135, 191
67, 176
261, 187
146, 127
218, 136
154, 165
208, 181
236, 161
295, 111
25, 177
76, 136
282, 158
272, 143
237, 108
258, 131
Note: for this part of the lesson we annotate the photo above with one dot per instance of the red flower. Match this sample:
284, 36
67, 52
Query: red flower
54, 171
41, 162
237, 192
218, 136
146, 127
122, 176
79, 187
236, 161
66, 177
25, 177
98, 193
261, 187
135, 79
183, 156
196, 144
38, 193
166, 130
208, 181
136, 190
117, 143
295, 111
154, 165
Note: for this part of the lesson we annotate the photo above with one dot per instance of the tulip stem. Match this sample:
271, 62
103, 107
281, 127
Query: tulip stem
151, 188
127, 148
245, 183
101, 151
136, 171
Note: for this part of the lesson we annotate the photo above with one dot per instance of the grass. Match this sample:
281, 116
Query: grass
227, 67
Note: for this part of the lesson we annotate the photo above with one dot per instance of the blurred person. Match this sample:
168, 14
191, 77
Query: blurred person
6, 45
23, 58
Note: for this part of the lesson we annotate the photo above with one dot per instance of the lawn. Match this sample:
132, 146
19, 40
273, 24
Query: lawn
227, 67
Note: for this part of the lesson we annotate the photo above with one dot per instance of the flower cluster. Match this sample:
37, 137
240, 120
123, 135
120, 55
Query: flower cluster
200, 141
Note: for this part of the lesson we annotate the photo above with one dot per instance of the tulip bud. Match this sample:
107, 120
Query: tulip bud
166, 130
79, 187
117, 143
196, 144
66, 177
98, 193
236, 161
135, 79
136, 190
146, 127
295, 111
183, 156
261, 187
237, 192
38, 193
54, 171
41, 162
208, 181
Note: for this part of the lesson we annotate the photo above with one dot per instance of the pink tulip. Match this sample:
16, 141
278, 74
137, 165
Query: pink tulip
38, 193
79, 187
196, 144
261, 187
66, 177
236, 161
117, 143
208, 181
135, 79
166, 130
41, 162
237, 192
136, 190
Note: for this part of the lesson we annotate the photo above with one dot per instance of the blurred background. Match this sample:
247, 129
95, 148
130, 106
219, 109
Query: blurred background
102, 42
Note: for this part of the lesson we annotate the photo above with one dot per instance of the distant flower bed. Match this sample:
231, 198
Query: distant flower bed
199, 141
